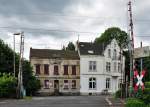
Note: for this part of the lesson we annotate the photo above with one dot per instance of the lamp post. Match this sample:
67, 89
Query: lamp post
15, 53
20, 80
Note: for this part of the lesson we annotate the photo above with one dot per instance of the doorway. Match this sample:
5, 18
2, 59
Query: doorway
56, 87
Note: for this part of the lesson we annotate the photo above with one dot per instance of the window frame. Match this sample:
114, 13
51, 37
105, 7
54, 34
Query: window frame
108, 67
74, 70
108, 81
115, 54
66, 70
115, 66
46, 86
119, 67
109, 53
92, 66
56, 71
37, 69
46, 69
74, 84
92, 83
66, 85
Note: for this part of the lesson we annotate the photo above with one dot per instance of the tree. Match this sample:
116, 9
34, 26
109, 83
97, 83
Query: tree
7, 85
6, 66
70, 46
6, 58
146, 63
31, 84
111, 33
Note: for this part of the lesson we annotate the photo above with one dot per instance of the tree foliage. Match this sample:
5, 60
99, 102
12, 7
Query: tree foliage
7, 85
6, 66
30, 82
70, 47
113, 33
146, 66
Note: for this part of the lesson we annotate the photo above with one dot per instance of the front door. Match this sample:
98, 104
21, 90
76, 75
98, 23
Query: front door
56, 87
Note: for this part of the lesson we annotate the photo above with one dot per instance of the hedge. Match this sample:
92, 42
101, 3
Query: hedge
133, 102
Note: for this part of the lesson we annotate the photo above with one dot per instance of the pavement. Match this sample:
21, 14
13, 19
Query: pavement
115, 102
59, 101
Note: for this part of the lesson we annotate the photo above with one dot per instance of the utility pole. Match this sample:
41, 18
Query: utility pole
131, 46
141, 60
14, 57
20, 79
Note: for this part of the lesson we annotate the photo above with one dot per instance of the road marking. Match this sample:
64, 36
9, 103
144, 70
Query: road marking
108, 101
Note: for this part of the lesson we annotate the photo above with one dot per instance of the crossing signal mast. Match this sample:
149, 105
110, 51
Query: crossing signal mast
131, 46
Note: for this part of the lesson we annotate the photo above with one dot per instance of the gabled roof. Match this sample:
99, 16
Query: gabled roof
53, 54
87, 48
142, 52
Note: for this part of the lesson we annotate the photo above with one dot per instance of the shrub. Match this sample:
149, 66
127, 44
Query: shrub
32, 86
118, 94
147, 84
146, 95
133, 102
7, 85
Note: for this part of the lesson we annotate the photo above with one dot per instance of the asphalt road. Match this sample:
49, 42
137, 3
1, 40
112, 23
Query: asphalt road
58, 101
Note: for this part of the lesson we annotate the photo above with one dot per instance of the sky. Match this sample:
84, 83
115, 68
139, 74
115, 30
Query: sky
53, 23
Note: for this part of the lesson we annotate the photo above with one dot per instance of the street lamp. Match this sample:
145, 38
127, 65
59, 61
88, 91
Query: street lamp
14, 52
20, 81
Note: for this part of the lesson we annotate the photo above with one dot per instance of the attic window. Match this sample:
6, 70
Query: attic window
82, 45
90, 51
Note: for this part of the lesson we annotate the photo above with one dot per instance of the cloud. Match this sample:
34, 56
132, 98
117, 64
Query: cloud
56, 22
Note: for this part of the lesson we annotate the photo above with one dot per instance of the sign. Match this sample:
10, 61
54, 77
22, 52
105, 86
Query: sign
139, 78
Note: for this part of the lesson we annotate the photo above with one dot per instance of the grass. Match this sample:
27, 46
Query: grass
28, 98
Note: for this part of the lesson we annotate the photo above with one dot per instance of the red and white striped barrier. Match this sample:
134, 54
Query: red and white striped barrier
139, 78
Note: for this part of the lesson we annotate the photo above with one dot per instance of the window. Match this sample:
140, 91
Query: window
115, 54
46, 84
65, 69
108, 67
119, 84
92, 83
107, 83
73, 84
37, 69
115, 66
46, 69
66, 85
92, 65
119, 67
56, 70
109, 53
73, 70
90, 51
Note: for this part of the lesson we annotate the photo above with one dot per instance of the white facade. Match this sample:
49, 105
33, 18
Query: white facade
107, 71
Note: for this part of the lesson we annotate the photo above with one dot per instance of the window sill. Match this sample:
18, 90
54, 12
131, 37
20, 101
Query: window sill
92, 70
66, 88
92, 88
46, 88
56, 74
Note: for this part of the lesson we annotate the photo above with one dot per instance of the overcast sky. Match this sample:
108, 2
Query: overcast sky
53, 23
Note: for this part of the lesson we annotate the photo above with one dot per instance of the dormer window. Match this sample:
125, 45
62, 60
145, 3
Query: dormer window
82, 45
90, 51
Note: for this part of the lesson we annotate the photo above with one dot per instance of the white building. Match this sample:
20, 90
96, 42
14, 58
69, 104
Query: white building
100, 67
